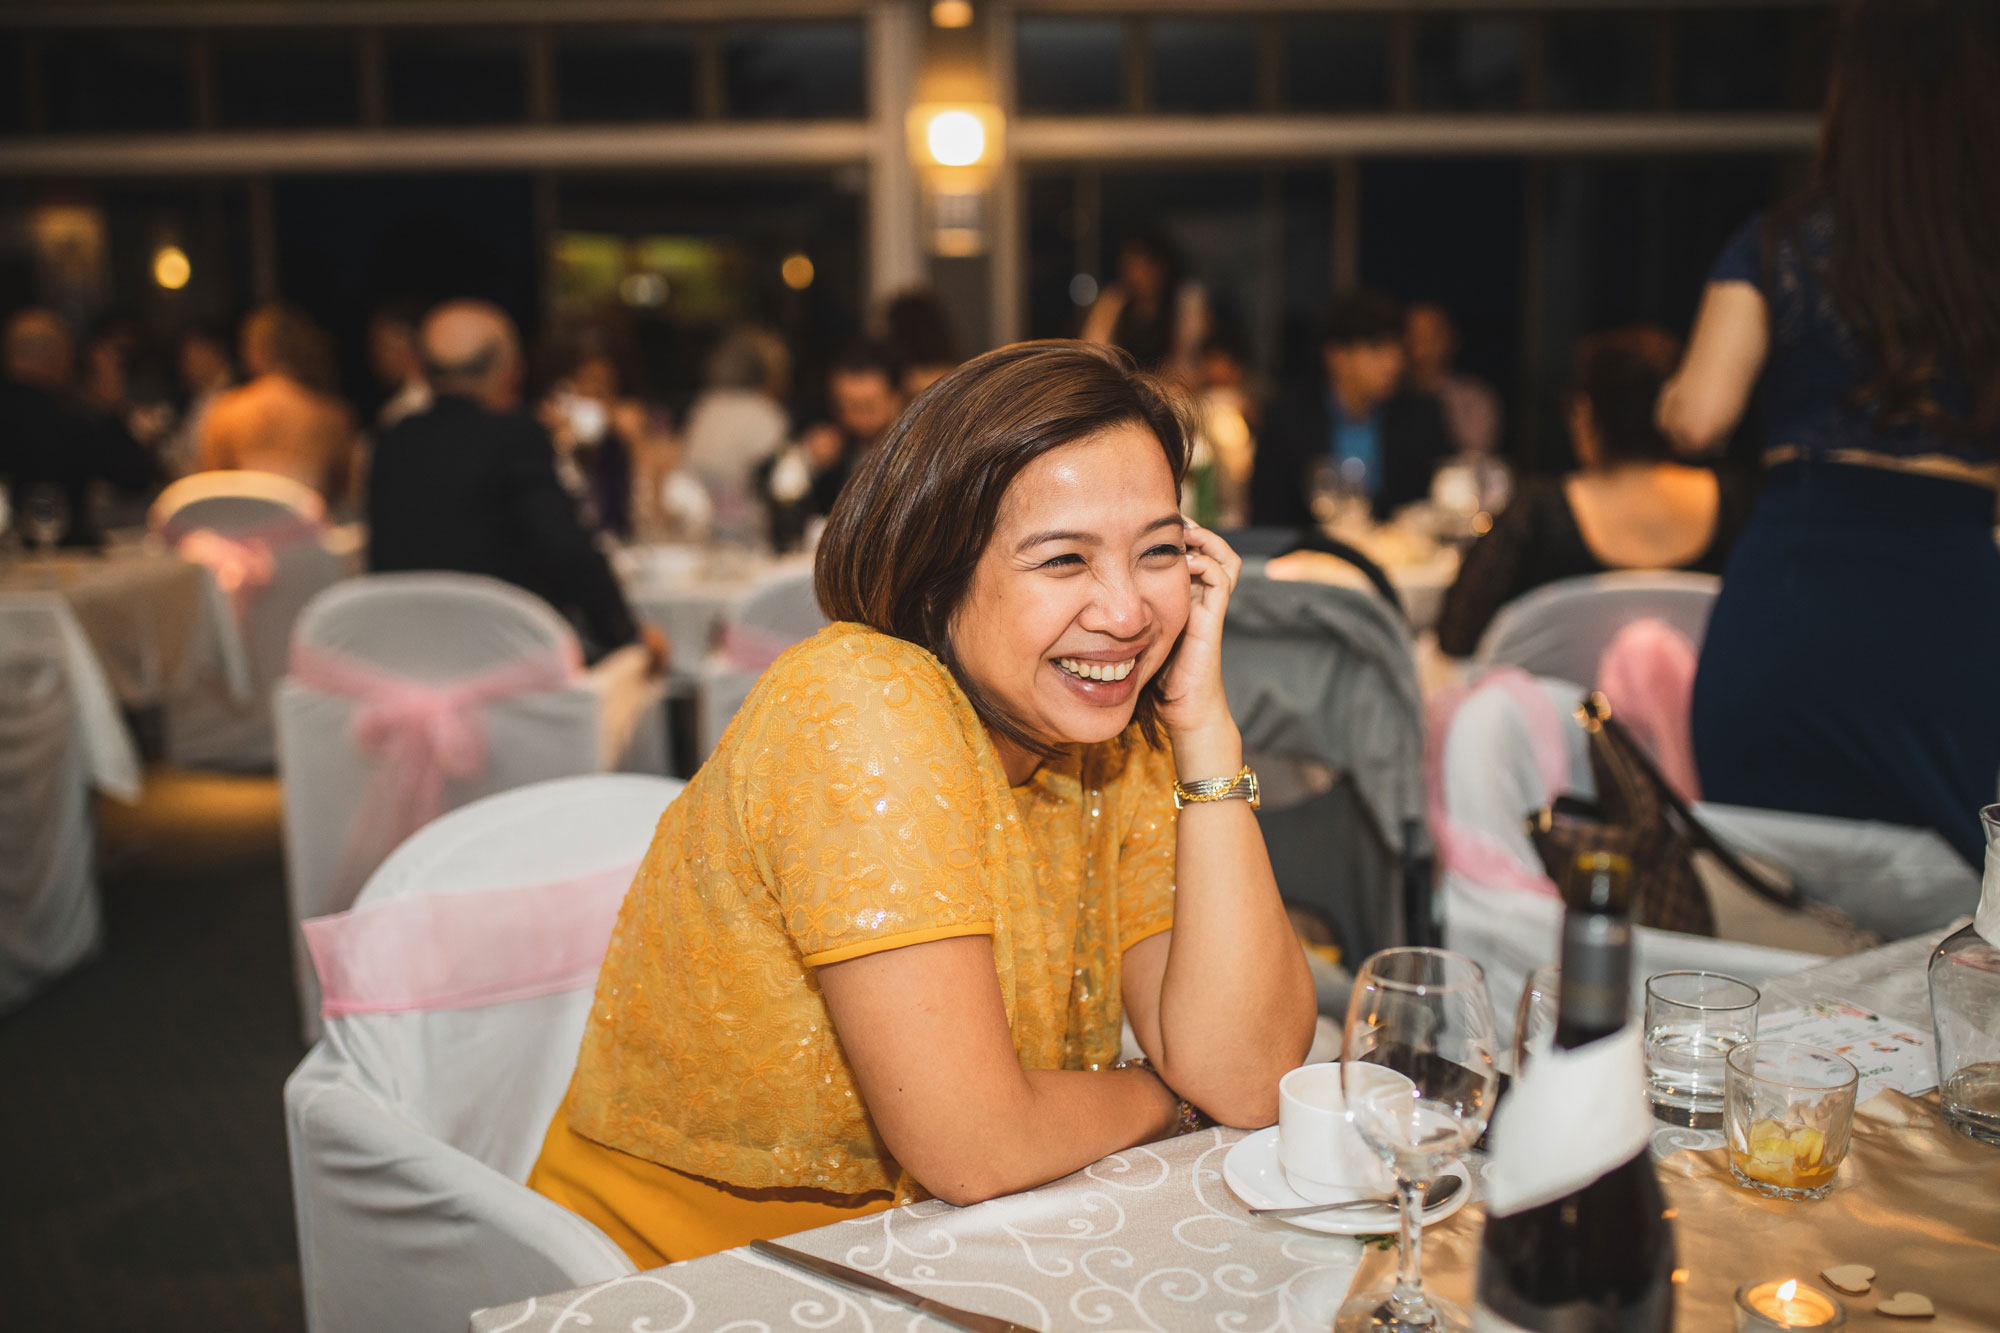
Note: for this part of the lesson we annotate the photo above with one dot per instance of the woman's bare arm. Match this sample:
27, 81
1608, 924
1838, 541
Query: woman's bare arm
926, 1033
1706, 397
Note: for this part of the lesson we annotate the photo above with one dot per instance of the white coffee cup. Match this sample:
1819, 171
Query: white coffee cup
1324, 1158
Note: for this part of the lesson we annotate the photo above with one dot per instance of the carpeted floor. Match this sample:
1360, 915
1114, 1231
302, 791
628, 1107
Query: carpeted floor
143, 1179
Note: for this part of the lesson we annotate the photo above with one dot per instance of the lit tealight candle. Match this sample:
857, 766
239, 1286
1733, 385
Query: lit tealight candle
1765, 1306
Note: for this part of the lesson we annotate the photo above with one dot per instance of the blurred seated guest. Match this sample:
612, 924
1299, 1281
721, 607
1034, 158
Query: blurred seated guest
1630, 505
286, 420
51, 442
737, 423
207, 371
1849, 664
894, 961
1154, 311
920, 340
1471, 408
1217, 490
807, 478
588, 421
1362, 433
397, 363
469, 484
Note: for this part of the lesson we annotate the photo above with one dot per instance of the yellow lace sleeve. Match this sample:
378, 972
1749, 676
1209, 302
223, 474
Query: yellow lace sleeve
1146, 853
869, 800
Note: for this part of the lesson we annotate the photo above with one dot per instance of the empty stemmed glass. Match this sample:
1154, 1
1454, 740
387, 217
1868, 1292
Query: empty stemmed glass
1535, 1015
1423, 1014
43, 518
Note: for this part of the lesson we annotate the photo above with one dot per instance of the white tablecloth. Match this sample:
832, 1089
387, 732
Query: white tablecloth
1146, 1239
157, 623
689, 593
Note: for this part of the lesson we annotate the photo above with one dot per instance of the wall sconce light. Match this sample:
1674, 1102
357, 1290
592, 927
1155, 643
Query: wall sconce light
951, 13
171, 268
959, 148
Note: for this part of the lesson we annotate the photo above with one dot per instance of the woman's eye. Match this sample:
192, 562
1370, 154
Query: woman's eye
1157, 551
1062, 560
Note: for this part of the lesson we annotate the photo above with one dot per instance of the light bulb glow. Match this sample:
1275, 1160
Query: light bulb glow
956, 138
171, 268
951, 13
797, 271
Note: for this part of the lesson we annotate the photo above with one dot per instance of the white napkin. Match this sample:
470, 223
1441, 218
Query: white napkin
1572, 1117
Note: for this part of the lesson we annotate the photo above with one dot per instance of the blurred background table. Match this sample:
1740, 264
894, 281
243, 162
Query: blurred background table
689, 592
157, 623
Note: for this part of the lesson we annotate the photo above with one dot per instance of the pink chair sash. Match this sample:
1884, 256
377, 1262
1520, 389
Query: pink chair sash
747, 648
243, 561
460, 950
1475, 854
421, 735
1647, 674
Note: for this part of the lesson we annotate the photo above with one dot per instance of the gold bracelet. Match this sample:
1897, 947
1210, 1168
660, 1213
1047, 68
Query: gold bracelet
1242, 786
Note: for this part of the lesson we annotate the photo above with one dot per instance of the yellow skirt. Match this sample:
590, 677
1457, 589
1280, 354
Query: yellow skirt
658, 1215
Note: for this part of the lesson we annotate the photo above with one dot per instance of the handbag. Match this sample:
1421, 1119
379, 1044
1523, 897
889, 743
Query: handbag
1639, 815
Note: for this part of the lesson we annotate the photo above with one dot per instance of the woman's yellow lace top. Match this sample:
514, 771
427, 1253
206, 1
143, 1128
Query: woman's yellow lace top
854, 805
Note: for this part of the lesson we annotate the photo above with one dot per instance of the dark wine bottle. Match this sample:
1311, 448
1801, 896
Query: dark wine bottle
1578, 1238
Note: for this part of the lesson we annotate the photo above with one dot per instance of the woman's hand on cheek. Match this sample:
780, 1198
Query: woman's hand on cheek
1193, 706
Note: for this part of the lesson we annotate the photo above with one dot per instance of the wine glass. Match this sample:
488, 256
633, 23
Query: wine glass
1424, 1015
44, 517
1535, 1015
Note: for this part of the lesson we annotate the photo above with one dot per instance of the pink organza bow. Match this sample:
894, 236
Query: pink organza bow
459, 950
1473, 853
244, 561
747, 648
420, 735
1647, 675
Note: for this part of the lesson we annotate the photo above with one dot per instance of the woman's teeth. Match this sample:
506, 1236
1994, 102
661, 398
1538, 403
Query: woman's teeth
1097, 670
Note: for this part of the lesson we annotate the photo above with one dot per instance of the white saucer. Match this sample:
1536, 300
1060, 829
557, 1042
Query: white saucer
1252, 1172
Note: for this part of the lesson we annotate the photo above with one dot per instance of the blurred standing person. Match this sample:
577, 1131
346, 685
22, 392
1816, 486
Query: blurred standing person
920, 340
206, 373
397, 363
589, 422
1363, 429
737, 423
1471, 408
1849, 664
50, 440
469, 484
286, 419
1153, 311
805, 479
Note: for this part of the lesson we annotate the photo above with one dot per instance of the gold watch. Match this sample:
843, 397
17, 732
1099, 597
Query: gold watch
1243, 786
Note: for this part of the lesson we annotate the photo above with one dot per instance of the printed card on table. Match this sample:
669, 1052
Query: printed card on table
1888, 1053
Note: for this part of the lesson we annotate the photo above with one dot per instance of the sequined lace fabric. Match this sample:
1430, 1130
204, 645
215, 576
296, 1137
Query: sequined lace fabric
855, 805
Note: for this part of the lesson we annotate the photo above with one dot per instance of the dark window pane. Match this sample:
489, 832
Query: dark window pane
1204, 65
13, 84
1752, 59
1070, 64
118, 81
1602, 62
798, 70
280, 80
455, 77
1470, 64
1337, 64
624, 74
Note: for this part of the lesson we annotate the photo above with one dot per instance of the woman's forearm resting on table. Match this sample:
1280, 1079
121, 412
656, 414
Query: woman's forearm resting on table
926, 1033
1223, 1004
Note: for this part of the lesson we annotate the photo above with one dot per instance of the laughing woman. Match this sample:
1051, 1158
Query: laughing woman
883, 942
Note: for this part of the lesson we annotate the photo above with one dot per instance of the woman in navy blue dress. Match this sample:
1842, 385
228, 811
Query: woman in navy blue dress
1851, 664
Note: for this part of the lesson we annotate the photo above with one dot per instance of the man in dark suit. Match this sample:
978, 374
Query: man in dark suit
1382, 439
470, 485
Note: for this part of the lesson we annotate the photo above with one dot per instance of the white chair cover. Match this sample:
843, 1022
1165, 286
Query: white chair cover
1562, 630
261, 535
60, 734
779, 612
435, 629
411, 1133
1496, 769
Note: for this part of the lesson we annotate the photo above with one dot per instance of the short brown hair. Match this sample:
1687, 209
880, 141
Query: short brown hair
901, 544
